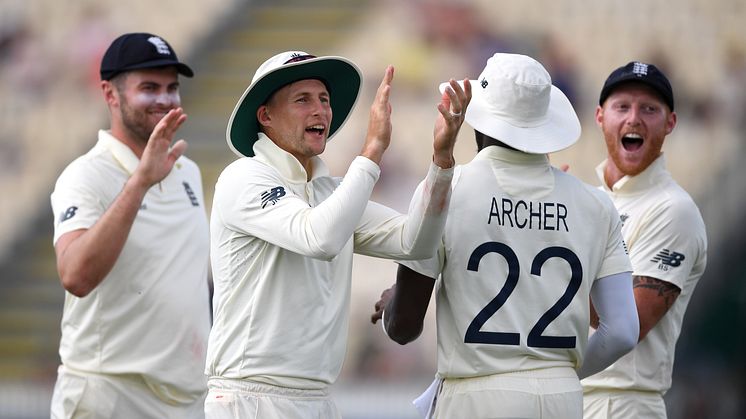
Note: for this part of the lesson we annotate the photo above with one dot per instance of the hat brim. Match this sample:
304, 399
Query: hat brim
558, 130
182, 68
341, 76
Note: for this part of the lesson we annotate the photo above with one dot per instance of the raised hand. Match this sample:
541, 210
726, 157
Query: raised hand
452, 108
159, 156
378, 136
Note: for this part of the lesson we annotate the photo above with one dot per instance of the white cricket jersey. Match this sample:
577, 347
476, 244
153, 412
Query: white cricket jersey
522, 246
666, 239
281, 250
150, 315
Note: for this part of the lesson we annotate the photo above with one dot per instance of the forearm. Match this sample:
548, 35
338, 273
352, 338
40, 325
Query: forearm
427, 214
86, 260
618, 327
331, 224
404, 314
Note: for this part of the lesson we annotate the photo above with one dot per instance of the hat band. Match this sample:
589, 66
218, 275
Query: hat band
526, 122
299, 58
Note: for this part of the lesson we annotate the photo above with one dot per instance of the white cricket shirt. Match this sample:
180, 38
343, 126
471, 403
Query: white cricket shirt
522, 246
666, 239
150, 315
281, 250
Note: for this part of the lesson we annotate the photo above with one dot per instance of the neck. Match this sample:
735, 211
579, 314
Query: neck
128, 139
612, 174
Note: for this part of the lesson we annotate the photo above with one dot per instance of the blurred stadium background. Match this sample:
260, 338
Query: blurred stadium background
50, 109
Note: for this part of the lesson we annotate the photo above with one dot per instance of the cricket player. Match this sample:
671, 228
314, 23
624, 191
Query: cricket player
665, 236
525, 246
283, 233
131, 239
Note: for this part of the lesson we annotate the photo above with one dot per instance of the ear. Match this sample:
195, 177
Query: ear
670, 122
599, 115
262, 115
111, 96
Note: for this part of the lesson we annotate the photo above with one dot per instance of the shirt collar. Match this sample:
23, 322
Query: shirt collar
121, 152
652, 175
519, 173
512, 156
267, 151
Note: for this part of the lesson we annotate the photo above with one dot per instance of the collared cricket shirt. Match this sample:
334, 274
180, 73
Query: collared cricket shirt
666, 239
150, 315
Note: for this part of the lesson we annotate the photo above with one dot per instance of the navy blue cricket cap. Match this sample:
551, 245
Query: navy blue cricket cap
636, 71
134, 51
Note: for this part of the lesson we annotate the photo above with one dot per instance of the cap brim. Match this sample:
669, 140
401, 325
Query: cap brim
559, 130
182, 68
341, 76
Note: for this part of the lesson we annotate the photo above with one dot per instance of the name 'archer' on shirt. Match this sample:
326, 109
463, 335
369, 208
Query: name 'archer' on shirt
528, 214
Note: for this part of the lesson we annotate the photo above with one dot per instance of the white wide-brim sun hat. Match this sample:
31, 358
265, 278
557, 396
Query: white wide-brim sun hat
514, 101
341, 77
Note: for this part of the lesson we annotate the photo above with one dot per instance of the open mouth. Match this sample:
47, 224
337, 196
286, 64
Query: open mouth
632, 142
316, 129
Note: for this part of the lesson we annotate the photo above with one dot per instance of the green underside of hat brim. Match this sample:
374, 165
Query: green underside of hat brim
342, 79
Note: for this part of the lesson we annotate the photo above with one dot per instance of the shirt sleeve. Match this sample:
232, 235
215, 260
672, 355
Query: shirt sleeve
671, 238
615, 259
619, 326
75, 202
265, 207
385, 233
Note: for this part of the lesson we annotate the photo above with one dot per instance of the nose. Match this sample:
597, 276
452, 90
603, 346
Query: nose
167, 98
633, 116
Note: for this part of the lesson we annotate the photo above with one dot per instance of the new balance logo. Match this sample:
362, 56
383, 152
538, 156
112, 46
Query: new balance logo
484, 83
68, 214
666, 258
272, 196
190, 194
623, 217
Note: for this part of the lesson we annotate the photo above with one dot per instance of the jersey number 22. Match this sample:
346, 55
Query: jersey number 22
474, 334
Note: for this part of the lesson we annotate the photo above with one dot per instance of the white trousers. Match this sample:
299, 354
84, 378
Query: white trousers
240, 399
605, 404
79, 395
552, 393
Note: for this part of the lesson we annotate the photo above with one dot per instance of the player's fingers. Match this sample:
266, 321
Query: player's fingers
167, 126
177, 150
384, 89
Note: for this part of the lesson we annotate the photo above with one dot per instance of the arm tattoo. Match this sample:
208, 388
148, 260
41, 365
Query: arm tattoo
667, 290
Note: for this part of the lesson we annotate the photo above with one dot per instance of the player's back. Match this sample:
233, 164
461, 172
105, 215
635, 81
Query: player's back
523, 244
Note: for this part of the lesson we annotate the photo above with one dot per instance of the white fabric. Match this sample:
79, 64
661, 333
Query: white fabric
491, 204
425, 403
548, 393
123, 396
666, 238
233, 399
514, 101
150, 315
623, 404
282, 268
619, 326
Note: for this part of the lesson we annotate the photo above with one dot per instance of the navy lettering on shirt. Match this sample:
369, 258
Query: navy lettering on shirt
532, 215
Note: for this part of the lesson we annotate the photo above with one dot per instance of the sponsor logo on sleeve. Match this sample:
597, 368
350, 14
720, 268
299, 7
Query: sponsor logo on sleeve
272, 196
667, 259
68, 214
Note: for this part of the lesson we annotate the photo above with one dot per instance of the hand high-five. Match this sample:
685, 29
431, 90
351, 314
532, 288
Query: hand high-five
452, 108
159, 156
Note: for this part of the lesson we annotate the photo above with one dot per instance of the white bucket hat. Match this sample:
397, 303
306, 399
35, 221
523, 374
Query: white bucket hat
341, 77
514, 101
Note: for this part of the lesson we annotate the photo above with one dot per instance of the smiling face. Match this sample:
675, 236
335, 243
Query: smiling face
297, 118
634, 121
138, 99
